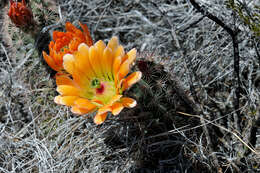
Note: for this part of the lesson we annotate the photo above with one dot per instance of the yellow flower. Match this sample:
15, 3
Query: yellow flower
97, 77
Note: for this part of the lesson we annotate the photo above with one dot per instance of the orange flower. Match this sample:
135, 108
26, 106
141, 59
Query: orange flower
20, 14
96, 79
66, 42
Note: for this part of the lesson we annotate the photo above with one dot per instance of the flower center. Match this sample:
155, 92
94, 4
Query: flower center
101, 89
95, 83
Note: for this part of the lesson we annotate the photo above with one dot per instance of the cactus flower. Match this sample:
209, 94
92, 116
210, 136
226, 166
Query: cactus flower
66, 42
20, 14
96, 78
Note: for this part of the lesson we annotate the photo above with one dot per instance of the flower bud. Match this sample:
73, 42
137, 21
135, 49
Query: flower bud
20, 14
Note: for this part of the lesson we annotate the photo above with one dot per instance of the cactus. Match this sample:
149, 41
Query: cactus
25, 23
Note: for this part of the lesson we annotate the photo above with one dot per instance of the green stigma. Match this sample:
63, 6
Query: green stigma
95, 83
65, 47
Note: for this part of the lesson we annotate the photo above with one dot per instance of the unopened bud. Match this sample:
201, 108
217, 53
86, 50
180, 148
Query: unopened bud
20, 14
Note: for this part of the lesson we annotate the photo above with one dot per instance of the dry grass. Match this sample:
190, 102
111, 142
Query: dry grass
185, 120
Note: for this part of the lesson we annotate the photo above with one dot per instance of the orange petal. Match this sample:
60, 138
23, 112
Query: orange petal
63, 80
114, 99
116, 67
100, 47
65, 100
125, 57
110, 53
70, 27
124, 69
69, 63
49, 60
95, 61
131, 55
89, 40
120, 51
118, 58
117, 108
83, 62
113, 43
80, 78
106, 108
79, 111
58, 58
107, 61
57, 34
85, 103
131, 79
68, 90
128, 102
100, 118
97, 102
73, 45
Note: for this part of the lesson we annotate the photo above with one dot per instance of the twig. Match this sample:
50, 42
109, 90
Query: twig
7, 57
192, 24
233, 35
256, 49
225, 129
